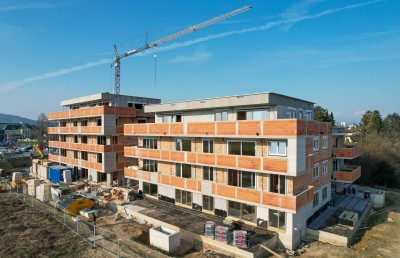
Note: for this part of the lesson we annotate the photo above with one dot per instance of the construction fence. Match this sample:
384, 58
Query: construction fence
96, 236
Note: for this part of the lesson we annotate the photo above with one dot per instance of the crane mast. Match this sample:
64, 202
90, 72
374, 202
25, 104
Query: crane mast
117, 59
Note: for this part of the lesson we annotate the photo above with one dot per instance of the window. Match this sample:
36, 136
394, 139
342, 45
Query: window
242, 148
316, 171
183, 197
316, 199
316, 144
99, 158
291, 113
308, 115
75, 123
84, 138
277, 184
221, 116
98, 121
324, 167
277, 219
324, 193
174, 118
63, 138
150, 165
242, 179
208, 173
325, 142
300, 114
208, 146
183, 170
241, 210
150, 189
208, 203
114, 140
75, 138
84, 123
130, 104
138, 106
142, 121
63, 152
84, 155
150, 143
277, 148
262, 114
75, 155
63, 124
183, 145
101, 140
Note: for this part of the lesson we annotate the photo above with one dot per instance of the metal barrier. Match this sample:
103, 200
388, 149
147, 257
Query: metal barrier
96, 236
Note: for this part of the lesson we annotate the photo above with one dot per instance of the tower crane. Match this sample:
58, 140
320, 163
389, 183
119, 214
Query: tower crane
117, 59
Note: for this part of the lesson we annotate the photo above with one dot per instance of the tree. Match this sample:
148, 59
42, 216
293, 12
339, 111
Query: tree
322, 115
371, 122
42, 123
391, 126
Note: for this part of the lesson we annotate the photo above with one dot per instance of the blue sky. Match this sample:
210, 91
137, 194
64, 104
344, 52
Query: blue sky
342, 55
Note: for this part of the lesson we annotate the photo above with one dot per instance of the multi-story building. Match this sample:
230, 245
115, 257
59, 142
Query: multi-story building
258, 158
344, 152
89, 136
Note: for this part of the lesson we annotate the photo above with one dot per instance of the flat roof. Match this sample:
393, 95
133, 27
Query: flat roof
108, 97
264, 98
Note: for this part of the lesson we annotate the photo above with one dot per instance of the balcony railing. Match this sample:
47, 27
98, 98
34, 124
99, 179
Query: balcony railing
347, 175
92, 111
254, 129
287, 202
86, 147
347, 153
101, 167
258, 164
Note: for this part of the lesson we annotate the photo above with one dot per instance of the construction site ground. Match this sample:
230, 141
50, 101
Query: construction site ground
379, 236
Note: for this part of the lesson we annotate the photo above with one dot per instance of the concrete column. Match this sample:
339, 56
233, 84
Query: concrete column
121, 178
110, 178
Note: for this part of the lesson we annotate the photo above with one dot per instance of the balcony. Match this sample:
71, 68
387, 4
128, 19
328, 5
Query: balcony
347, 175
86, 147
347, 153
100, 167
287, 202
249, 163
254, 129
91, 112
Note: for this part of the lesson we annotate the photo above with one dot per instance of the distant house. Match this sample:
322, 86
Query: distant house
15, 131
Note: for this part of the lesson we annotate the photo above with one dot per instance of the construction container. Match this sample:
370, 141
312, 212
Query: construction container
222, 234
56, 174
32, 184
67, 176
164, 238
241, 239
209, 229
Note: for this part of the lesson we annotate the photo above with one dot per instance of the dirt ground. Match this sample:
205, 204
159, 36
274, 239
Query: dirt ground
381, 239
25, 232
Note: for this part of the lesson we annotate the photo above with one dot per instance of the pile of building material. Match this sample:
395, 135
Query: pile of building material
115, 194
43, 192
32, 184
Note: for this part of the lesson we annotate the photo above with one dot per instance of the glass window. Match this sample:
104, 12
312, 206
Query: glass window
84, 138
316, 144
316, 199
99, 122
221, 116
208, 173
277, 148
242, 179
316, 171
99, 158
150, 189
291, 113
183, 197
101, 140
150, 143
277, 219
150, 165
261, 114
174, 118
241, 210
208, 203
325, 167
324, 193
242, 148
183, 145
325, 142
277, 184
208, 146
183, 170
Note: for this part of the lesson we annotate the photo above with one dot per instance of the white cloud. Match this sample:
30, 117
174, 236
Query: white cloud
30, 5
195, 58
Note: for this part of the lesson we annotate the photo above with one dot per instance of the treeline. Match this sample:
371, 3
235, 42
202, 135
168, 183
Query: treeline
380, 145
